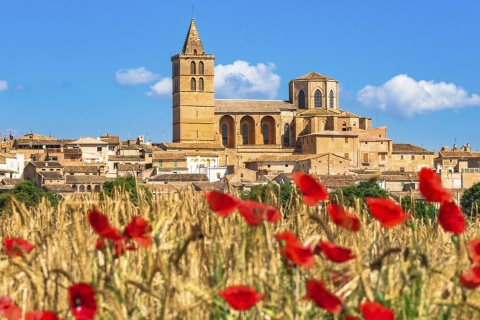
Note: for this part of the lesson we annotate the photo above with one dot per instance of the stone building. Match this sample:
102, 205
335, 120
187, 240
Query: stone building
248, 132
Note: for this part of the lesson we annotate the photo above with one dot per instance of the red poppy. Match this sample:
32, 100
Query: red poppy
474, 249
339, 279
471, 280
431, 186
333, 252
100, 224
313, 192
294, 251
101, 243
138, 230
386, 211
14, 246
223, 204
342, 218
9, 310
241, 297
41, 315
375, 311
253, 212
82, 301
349, 317
317, 292
451, 218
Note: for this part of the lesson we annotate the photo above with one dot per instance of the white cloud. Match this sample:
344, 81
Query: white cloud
161, 88
130, 77
405, 97
242, 80
3, 85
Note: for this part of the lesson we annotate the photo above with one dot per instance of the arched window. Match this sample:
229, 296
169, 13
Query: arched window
224, 134
286, 135
245, 133
265, 133
193, 84
332, 98
344, 126
318, 99
195, 51
193, 69
301, 99
200, 84
200, 67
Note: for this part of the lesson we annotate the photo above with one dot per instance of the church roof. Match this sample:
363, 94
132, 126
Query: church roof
314, 75
327, 112
193, 42
251, 106
190, 145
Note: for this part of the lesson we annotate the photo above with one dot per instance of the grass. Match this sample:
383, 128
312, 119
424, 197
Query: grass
412, 269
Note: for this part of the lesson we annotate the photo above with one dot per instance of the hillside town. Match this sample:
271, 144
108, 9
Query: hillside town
221, 143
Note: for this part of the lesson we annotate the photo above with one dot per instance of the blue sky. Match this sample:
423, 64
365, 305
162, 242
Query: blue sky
76, 68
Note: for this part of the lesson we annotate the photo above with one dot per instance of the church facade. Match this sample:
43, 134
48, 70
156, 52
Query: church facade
250, 132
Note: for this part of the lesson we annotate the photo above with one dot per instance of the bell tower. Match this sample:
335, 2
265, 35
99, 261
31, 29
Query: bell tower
193, 91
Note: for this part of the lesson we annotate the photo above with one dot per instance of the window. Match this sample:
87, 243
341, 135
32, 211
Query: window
346, 155
318, 99
344, 126
265, 133
115, 165
268, 166
200, 84
332, 98
224, 134
174, 164
301, 99
383, 156
193, 69
423, 157
200, 68
160, 164
193, 84
286, 135
54, 158
413, 157
401, 157
99, 149
286, 165
245, 133
365, 158
346, 139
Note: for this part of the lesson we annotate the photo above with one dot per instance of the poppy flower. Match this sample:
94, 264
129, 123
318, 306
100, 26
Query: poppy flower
339, 279
312, 191
138, 230
430, 185
8, 309
324, 299
333, 252
343, 218
349, 317
294, 251
41, 315
221, 203
471, 280
14, 246
100, 224
474, 250
241, 297
375, 311
82, 301
451, 218
386, 211
253, 212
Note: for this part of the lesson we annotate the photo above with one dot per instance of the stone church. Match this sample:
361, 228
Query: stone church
309, 132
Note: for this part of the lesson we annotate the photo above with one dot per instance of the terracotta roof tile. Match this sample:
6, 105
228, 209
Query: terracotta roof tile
409, 148
252, 106
58, 188
180, 177
85, 179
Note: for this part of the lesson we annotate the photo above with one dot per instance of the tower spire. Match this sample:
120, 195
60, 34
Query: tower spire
193, 44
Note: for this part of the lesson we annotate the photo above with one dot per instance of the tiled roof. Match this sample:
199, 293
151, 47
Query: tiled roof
367, 137
58, 188
82, 169
72, 151
6, 181
52, 175
47, 164
286, 158
396, 195
185, 146
180, 177
168, 155
110, 139
125, 158
313, 75
209, 186
330, 133
85, 179
251, 106
409, 148
455, 154
337, 181
131, 167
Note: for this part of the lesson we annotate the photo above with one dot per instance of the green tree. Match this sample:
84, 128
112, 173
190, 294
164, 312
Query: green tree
361, 191
27, 193
470, 200
423, 210
259, 193
129, 185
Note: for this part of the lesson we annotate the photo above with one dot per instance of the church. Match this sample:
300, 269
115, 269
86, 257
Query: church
309, 132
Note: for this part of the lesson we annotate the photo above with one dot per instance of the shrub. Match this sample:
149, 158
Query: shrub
470, 200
